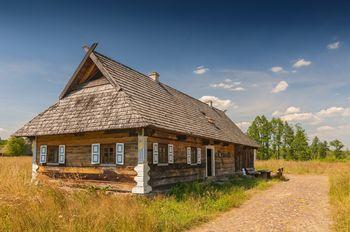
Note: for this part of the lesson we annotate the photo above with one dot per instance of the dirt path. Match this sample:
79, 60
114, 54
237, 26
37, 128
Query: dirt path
300, 204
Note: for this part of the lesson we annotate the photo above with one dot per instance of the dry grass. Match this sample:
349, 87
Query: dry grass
27, 207
339, 174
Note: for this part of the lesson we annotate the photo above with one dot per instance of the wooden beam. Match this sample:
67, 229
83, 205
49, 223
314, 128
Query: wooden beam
104, 71
72, 79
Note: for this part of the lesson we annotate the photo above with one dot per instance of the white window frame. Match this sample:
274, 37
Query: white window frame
155, 153
43, 155
98, 153
119, 153
62, 154
170, 153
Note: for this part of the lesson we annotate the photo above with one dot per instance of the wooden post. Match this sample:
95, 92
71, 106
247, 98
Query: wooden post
142, 168
35, 166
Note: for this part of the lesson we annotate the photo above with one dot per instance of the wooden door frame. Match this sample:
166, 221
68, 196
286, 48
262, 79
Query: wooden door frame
212, 148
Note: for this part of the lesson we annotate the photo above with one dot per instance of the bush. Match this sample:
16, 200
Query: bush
16, 146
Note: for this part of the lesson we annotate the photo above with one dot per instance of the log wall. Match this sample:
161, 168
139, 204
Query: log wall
78, 157
180, 171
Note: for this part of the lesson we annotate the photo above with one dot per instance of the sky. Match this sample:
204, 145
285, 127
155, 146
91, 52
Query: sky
288, 59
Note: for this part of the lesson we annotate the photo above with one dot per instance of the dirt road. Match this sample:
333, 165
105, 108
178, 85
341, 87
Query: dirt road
300, 204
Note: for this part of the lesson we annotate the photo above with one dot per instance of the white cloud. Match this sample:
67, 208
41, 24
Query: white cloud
276, 113
301, 63
243, 126
333, 46
218, 103
281, 86
325, 128
333, 111
278, 69
2, 130
292, 110
201, 70
228, 84
301, 117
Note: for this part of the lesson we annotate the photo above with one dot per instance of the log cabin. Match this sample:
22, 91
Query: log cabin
113, 124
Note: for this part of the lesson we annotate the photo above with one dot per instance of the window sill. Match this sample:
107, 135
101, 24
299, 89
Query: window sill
194, 164
52, 164
107, 165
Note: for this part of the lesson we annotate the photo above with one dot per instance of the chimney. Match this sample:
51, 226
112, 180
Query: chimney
86, 48
154, 76
210, 103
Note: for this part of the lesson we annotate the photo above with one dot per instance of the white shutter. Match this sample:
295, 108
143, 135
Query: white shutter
61, 154
95, 153
170, 153
120, 153
43, 153
155, 153
199, 156
188, 155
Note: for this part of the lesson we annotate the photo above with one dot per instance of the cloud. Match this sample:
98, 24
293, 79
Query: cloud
301, 117
218, 103
292, 110
243, 126
228, 84
2, 130
325, 129
279, 70
333, 46
200, 70
281, 86
334, 111
289, 110
301, 63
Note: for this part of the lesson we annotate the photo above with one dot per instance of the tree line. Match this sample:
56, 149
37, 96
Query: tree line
15, 146
281, 140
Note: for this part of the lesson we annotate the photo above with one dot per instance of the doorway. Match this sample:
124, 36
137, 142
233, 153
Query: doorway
210, 160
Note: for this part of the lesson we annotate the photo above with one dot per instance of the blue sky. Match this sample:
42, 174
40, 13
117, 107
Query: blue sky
289, 59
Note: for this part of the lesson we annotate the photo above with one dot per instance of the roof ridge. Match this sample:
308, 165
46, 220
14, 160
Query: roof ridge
144, 75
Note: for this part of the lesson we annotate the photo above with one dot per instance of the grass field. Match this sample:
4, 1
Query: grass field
27, 207
339, 176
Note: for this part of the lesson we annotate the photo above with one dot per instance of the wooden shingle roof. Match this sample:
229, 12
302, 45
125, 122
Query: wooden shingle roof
130, 99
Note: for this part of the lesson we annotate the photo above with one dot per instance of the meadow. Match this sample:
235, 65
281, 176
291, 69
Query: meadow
46, 207
339, 177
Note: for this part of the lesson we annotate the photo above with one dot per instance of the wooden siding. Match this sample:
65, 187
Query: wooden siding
166, 175
78, 156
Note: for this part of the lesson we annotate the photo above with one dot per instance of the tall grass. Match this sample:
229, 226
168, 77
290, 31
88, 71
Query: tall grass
46, 207
339, 176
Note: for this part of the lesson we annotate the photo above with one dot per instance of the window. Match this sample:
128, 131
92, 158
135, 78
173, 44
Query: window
162, 153
52, 154
193, 155
108, 154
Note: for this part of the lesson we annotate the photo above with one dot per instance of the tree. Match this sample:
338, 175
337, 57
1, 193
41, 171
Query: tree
314, 148
322, 149
338, 146
287, 140
15, 146
260, 131
300, 145
277, 128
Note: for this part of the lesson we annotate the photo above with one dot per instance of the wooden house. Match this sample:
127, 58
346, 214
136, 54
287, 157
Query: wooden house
117, 125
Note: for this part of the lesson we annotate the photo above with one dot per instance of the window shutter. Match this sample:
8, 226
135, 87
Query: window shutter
155, 153
61, 154
199, 156
43, 153
170, 153
95, 153
120, 153
188, 155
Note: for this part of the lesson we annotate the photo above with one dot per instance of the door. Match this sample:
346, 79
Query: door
209, 163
